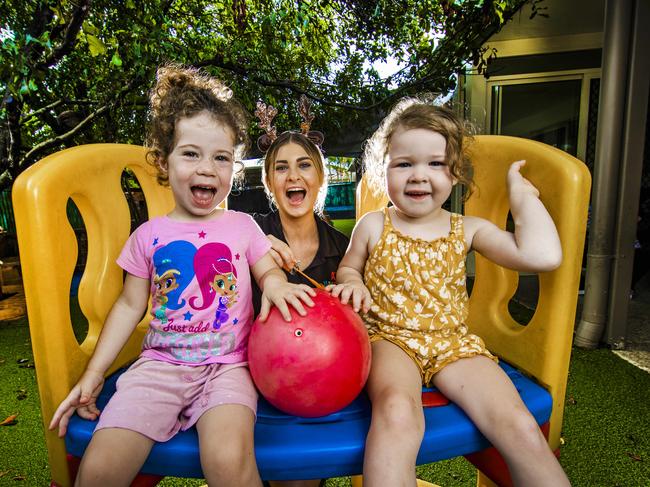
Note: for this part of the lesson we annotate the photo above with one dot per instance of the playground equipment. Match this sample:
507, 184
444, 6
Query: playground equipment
287, 447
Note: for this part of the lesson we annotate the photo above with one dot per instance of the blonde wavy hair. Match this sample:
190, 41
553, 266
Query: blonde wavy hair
420, 113
183, 92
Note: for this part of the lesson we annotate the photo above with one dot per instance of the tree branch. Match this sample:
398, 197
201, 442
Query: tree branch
54, 105
36, 113
29, 157
25, 161
79, 14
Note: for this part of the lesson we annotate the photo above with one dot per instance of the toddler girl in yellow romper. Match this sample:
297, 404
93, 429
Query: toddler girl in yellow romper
405, 270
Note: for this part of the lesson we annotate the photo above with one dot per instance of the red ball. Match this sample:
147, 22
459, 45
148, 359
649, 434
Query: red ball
313, 365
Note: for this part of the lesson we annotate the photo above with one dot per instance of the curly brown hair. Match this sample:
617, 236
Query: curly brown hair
182, 92
420, 113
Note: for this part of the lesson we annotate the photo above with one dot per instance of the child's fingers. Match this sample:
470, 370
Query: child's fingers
283, 251
85, 396
90, 389
284, 310
307, 289
264, 309
63, 422
94, 409
56, 419
335, 289
296, 304
357, 297
345, 295
67, 406
362, 300
366, 302
517, 165
305, 297
89, 412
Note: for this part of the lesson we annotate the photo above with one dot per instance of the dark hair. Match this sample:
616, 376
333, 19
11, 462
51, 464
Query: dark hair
182, 92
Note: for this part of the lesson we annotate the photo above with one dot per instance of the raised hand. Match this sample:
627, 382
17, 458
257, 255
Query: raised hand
517, 184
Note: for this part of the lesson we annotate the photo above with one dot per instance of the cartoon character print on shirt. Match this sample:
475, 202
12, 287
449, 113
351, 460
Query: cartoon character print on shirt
217, 278
173, 271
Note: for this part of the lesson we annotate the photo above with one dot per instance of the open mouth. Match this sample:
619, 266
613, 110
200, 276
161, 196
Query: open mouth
296, 195
417, 194
203, 195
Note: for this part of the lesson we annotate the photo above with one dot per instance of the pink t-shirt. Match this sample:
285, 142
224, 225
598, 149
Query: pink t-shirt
201, 294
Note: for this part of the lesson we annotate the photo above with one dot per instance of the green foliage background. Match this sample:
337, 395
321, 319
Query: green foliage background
74, 72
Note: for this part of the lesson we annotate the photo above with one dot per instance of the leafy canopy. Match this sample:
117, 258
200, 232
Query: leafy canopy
74, 72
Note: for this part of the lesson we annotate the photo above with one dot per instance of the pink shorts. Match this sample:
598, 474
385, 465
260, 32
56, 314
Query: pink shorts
157, 399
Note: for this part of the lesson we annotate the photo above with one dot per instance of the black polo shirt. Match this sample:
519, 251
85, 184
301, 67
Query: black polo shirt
331, 249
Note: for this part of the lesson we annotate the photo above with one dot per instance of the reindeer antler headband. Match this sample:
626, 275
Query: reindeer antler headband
266, 113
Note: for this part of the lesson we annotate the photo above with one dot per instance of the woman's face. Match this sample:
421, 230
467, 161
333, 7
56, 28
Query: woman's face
294, 180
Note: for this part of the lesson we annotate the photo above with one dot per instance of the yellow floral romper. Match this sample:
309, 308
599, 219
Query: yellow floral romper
419, 298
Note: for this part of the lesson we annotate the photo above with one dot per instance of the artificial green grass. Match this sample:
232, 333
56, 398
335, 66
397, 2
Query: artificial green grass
23, 457
606, 424
344, 226
607, 421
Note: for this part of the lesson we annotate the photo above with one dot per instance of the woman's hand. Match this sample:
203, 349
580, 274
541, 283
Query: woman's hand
82, 398
281, 253
355, 290
281, 294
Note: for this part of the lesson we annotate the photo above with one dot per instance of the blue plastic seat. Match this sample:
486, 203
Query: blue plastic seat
292, 448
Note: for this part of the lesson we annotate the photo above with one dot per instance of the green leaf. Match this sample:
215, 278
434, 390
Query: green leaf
89, 28
116, 60
95, 45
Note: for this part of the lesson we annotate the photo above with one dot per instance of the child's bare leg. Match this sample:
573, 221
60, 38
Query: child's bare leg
481, 388
113, 457
295, 483
397, 426
226, 446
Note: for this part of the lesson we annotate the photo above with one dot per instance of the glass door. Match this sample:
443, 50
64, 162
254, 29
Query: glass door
549, 109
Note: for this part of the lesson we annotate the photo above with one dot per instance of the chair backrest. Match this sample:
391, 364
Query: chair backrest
542, 348
91, 176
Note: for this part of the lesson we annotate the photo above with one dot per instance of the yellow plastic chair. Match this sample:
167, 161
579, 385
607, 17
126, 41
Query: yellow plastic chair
542, 348
90, 175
